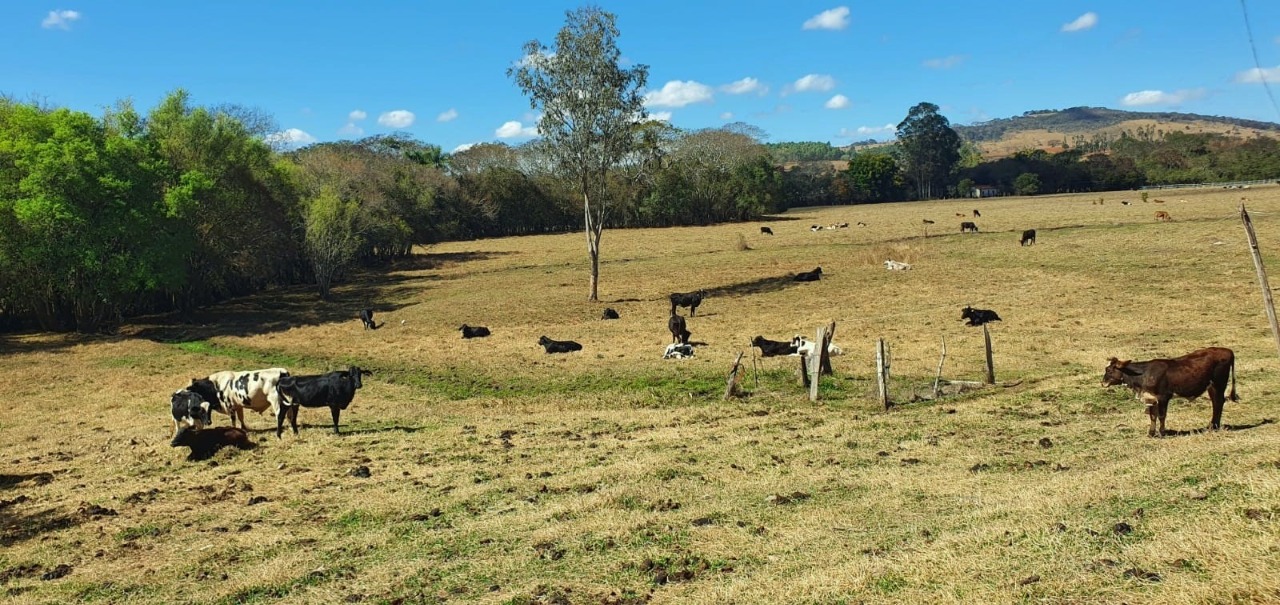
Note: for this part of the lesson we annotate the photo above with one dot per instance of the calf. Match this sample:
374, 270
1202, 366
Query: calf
815, 227
687, 299
1157, 381
677, 351
204, 443
773, 348
609, 313
676, 325
333, 390
976, 214
231, 392
894, 265
814, 275
473, 331
1028, 238
961, 215
766, 230
1163, 216
977, 317
968, 226
804, 346
559, 346
190, 411
366, 316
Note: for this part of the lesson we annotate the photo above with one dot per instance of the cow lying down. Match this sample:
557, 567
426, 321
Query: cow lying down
204, 443
678, 351
806, 347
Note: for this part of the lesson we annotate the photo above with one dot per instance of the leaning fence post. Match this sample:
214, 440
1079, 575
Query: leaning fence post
991, 368
825, 366
731, 388
815, 365
938, 378
1267, 303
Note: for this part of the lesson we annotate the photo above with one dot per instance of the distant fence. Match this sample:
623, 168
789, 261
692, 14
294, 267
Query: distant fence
1223, 185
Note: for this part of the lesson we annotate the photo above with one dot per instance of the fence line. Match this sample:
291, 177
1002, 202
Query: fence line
1222, 185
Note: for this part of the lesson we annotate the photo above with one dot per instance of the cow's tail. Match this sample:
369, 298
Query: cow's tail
1233, 396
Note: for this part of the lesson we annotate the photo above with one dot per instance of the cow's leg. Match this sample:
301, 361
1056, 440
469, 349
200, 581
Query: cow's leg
1153, 410
1164, 411
293, 418
1218, 398
280, 414
336, 412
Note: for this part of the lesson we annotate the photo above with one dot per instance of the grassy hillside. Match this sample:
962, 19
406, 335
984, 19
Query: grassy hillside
499, 474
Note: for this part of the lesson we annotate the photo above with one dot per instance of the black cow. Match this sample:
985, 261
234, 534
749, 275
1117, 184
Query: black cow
609, 313
190, 410
204, 443
1028, 238
473, 331
773, 348
559, 346
814, 275
687, 299
977, 317
676, 325
366, 316
976, 214
333, 390
1157, 381
968, 226
766, 230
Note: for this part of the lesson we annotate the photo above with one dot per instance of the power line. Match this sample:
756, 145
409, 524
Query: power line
1262, 75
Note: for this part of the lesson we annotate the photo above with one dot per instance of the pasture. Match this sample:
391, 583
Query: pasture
485, 470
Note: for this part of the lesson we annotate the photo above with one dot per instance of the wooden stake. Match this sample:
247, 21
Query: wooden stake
815, 364
826, 350
938, 378
731, 388
991, 368
882, 373
1267, 303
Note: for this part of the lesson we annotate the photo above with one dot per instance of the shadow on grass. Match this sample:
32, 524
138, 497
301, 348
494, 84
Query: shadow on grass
17, 527
1225, 427
755, 286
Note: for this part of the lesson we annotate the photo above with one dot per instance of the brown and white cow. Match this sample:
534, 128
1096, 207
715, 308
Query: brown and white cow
1163, 216
1157, 381
231, 392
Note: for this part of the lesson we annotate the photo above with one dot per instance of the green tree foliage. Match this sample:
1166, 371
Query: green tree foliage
929, 149
333, 236
1027, 183
874, 177
715, 174
805, 151
589, 104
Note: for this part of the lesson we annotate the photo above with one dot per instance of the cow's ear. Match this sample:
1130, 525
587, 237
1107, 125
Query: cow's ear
1121, 364
1112, 362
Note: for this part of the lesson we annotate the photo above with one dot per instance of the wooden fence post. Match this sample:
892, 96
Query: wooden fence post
938, 378
882, 373
826, 346
991, 368
731, 388
815, 364
1267, 303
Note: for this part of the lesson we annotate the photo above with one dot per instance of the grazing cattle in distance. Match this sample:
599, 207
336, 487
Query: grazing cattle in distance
976, 317
678, 351
976, 214
927, 222
190, 410
766, 230
559, 346
842, 225
473, 331
968, 226
815, 227
609, 313
894, 265
366, 316
773, 348
1028, 238
687, 299
231, 392
204, 443
333, 390
1157, 381
1125, 202
961, 214
1163, 216
861, 224
814, 275
676, 325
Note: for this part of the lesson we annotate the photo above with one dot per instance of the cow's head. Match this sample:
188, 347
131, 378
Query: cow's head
190, 410
1114, 373
966, 313
355, 373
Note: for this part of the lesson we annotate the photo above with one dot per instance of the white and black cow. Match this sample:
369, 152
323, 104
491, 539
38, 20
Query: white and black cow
190, 411
231, 392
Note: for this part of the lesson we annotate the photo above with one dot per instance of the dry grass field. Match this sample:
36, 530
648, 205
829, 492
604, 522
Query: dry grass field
500, 474
1052, 140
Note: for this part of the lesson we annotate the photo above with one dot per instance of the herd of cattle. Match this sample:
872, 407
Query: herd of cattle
1154, 382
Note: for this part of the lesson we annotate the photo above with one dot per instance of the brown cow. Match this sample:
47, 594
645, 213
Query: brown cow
1161, 215
1156, 382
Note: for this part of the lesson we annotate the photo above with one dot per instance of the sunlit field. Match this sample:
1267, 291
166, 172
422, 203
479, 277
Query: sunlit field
500, 474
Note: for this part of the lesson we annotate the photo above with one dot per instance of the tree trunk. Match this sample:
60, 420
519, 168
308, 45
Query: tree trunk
593, 246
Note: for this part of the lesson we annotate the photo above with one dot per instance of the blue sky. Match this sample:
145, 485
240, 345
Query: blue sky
801, 71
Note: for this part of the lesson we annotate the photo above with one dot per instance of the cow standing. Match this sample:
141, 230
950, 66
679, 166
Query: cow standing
687, 299
679, 333
1028, 238
366, 317
231, 392
1157, 381
766, 231
968, 226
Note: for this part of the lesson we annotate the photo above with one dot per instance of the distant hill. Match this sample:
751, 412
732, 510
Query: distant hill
1054, 129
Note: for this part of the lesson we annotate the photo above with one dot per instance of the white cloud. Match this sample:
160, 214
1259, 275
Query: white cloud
661, 116
289, 139
356, 115
836, 18
678, 94
945, 62
351, 130
814, 83
1258, 75
863, 132
1160, 97
726, 116
837, 102
400, 118
744, 86
448, 116
514, 129
1083, 22
60, 19
463, 147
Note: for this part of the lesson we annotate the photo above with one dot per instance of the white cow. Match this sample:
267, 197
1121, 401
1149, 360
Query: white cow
230, 392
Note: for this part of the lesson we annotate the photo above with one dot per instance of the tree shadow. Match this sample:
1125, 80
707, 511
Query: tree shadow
10, 481
438, 260
773, 218
1225, 427
18, 527
755, 286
